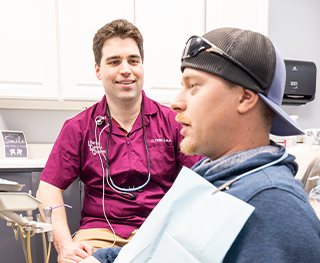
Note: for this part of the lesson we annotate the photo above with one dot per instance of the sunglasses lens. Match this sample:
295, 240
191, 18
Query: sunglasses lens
193, 47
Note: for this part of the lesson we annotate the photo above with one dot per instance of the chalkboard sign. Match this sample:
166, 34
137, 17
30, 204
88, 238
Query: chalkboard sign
14, 144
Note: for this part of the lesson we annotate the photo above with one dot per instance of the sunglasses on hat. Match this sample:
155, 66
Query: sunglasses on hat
197, 44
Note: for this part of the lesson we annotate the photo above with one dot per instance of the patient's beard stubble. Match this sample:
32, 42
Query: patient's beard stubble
187, 147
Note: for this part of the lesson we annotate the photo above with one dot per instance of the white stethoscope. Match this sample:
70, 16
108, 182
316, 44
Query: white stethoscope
227, 185
127, 191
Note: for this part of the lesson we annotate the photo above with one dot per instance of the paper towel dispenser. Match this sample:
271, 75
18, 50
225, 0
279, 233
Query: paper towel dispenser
300, 82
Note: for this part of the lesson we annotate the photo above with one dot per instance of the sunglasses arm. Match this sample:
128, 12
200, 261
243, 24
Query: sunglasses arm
215, 49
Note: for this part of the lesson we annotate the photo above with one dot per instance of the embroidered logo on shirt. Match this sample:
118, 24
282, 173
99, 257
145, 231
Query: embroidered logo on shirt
95, 148
160, 140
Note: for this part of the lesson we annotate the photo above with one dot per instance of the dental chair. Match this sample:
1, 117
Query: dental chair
311, 183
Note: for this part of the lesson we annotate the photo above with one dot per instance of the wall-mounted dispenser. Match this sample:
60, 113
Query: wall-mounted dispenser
300, 83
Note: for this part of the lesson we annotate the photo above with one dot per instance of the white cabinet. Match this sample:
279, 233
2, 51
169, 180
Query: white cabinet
46, 46
166, 25
78, 23
246, 14
28, 49
46, 51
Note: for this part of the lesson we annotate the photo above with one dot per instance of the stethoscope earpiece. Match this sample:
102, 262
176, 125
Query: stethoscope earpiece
99, 120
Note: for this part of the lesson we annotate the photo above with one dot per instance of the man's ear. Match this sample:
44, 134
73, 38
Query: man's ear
248, 101
97, 70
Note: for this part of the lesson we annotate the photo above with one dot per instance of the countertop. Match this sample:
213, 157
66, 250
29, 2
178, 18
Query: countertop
39, 153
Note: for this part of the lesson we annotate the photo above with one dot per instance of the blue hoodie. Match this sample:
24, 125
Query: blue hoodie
283, 226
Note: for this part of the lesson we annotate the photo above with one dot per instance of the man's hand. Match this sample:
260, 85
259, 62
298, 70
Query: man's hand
72, 252
68, 251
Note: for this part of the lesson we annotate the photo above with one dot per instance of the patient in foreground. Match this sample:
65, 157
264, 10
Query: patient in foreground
233, 83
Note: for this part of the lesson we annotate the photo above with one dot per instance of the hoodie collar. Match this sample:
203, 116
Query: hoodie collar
240, 162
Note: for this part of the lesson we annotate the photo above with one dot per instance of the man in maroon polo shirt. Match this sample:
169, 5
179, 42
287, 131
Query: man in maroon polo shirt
125, 149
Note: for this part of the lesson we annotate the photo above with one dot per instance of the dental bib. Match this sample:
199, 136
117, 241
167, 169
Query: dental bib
189, 224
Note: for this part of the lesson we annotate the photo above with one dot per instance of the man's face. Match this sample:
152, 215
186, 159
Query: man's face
206, 107
121, 70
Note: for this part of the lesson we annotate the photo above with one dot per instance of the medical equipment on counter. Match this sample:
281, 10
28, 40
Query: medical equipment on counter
11, 202
312, 136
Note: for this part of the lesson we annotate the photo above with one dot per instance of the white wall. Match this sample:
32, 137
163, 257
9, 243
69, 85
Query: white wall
294, 26
39, 126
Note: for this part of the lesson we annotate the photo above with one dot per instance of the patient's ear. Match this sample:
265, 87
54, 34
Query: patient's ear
248, 101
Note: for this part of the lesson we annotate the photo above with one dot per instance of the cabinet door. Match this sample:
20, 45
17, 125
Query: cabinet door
28, 50
246, 14
166, 26
79, 20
